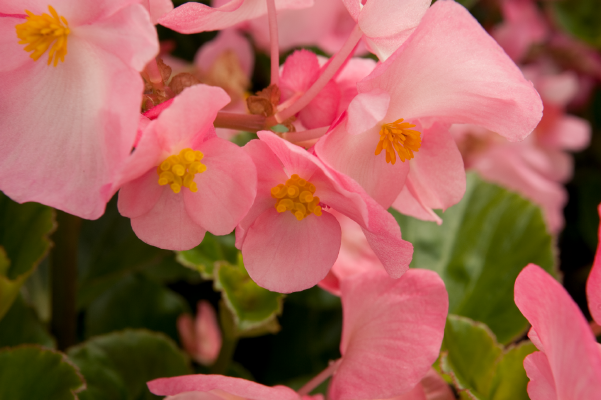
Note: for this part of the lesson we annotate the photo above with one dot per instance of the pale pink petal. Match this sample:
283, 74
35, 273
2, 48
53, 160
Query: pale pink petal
554, 88
409, 205
567, 133
195, 17
391, 335
285, 255
354, 70
593, 285
157, 8
231, 40
460, 78
138, 196
187, 334
417, 393
167, 225
542, 383
205, 383
384, 47
366, 110
208, 334
295, 159
69, 121
568, 343
226, 190
381, 18
196, 396
435, 387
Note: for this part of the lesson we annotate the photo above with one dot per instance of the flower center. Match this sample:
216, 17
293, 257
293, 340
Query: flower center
179, 170
43, 32
398, 136
297, 197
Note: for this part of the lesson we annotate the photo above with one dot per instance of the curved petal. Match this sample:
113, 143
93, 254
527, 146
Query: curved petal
593, 284
194, 17
285, 255
295, 159
366, 110
205, 383
167, 225
380, 18
460, 78
226, 190
228, 39
139, 196
388, 326
542, 383
409, 205
157, 8
568, 343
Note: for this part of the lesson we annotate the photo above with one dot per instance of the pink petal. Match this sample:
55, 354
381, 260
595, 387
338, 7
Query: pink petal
196, 396
422, 82
568, 343
409, 205
435, 387
139, 196
366, 110
195, 17
354, 70
226, 40
208, 334
157, 8
285, 255
593, 285
235, 386
542, 383
167, 225
568, 133
226, 190
67, 121
187, 335
391, 335
299, 72
417, 393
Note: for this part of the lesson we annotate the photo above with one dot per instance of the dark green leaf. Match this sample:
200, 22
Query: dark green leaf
479, 250
118, 365
135, 302
21, 325
580, 18
511, 381
30, 372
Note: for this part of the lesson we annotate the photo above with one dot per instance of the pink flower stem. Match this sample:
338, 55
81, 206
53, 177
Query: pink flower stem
303, 136
275, 45
241, 122
330, 71
317, 380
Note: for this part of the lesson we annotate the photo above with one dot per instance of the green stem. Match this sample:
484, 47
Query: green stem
63, 278
225, 355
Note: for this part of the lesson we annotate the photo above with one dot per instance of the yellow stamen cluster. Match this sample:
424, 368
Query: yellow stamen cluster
40, 32
297, 197
179, 170
398, 136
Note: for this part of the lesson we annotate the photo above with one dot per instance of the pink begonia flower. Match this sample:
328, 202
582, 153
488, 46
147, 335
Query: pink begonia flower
302, 68
386, 24
288, 239
327, 25
593, 284
70, 117
538, 166
409, 100
201, 337
194, 17
182, 180
523, 26
157, 8
568, 365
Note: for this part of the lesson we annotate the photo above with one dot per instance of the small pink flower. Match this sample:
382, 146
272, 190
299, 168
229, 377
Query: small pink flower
182, 180
288, 239
201, 337
71, 108
568, 365
194, 17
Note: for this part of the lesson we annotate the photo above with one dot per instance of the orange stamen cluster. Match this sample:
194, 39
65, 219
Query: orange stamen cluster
398, 136
297, 197
41, 32
179, 170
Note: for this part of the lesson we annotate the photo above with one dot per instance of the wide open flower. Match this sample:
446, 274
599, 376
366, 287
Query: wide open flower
194, 17
396, 129
568, 365
71, 108
182, 180
288, 239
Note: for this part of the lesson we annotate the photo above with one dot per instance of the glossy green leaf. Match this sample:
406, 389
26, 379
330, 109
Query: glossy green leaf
253, 308
135, 302
479, 250
580, 18
30, 372
479, 366
118, 365
24, 232
212, 249
21, 325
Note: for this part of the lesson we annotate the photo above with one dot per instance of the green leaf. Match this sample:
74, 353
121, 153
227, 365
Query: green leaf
203, 257
580, 18
21, 325
135, 302
480, 367
24, 231
30, 372
118, 365
253, 308
479, 250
